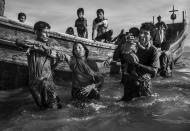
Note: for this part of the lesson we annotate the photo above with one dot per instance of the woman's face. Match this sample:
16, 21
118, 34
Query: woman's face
79, 50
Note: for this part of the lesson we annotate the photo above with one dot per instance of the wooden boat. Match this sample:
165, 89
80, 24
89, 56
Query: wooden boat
175, 35
13, 61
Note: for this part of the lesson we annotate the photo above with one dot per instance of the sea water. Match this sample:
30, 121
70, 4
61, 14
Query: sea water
168, 109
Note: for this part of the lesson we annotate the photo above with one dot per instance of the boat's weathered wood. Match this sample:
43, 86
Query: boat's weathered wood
13, 61
11, 30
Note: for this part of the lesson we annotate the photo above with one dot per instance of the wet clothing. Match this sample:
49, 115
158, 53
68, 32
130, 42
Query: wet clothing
2, 7
136, 86
102, 30
85, 73
166, 64
41, 82
81, 25
148, 57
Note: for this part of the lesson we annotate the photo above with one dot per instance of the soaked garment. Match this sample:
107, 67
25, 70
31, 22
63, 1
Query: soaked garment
136, 86
41, 82
84, 74
166, 64
81, 25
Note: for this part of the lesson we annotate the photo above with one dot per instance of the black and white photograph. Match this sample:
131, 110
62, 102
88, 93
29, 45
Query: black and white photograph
94, 65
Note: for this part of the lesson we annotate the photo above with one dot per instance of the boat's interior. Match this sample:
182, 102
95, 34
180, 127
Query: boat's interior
174, 31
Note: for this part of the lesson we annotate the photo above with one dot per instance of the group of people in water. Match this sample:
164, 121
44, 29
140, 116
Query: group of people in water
140, 61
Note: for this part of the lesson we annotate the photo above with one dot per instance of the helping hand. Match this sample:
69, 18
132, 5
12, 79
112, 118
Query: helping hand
86, 90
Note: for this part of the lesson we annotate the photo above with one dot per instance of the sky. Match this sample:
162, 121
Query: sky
121, 14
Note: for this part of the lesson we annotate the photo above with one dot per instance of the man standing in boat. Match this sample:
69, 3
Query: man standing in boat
100, 30
40, 60
161, 28
146, 67
2, 7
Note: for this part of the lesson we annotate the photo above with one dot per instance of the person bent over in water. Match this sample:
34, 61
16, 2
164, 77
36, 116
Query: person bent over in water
40, 61
100, 27
81, 24
136, 86
86, 79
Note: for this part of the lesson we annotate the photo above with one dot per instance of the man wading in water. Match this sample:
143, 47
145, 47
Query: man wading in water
40, 60
136, 86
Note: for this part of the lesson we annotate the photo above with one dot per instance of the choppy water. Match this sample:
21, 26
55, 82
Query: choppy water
167, 110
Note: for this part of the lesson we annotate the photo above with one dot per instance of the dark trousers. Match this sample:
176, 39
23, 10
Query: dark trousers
107, 36
136, 87
44, 94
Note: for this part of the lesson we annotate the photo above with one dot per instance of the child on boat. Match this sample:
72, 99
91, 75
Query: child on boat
81, 24
100, 30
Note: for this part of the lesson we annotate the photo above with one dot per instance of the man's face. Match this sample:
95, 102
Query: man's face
100, 15
43, 34
80, 15
22, 19
144, 38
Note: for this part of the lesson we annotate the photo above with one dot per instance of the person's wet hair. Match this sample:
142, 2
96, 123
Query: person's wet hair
21, 14
80, 10
85, 48
40, 25
99, 11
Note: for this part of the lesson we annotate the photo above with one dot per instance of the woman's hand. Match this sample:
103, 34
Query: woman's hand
86, 90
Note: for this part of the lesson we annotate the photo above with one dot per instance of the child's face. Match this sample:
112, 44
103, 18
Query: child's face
80, 15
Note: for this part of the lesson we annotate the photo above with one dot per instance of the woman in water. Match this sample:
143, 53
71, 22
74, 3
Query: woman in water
86, 80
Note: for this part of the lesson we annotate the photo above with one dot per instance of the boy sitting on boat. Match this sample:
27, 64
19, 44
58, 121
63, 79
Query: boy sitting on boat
100, 30
81, 24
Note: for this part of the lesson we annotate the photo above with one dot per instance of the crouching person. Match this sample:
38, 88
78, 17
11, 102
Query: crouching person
146, 67
40, 60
